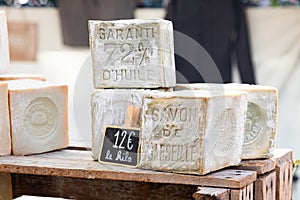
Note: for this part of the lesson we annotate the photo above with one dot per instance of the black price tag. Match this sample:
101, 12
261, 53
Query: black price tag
120, 146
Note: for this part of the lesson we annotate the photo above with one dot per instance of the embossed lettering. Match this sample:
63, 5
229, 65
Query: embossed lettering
173, 152
174, 114
128, 74
127, 33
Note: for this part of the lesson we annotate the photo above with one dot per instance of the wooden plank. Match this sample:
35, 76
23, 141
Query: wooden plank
243, 194
79, 164
74, 188
27, 197
5, 186
260, 166
210, 193
265, 187
284, 173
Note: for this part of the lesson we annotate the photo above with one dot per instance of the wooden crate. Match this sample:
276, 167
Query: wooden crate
74, 174
284, 173
274, 175
210, 193
265, 184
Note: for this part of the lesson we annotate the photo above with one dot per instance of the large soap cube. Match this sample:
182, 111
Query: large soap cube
192, 132
132, 53
261, 121
39, 116
4, 50
110, 108
5, 140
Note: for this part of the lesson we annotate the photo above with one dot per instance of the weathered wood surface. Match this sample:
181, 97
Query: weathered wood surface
284, 173
85, 189
5, 186
260, 166
79, 164
246, 193
265, 187
210, 193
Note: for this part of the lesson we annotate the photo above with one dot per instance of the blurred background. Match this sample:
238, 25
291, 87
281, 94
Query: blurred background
50, 37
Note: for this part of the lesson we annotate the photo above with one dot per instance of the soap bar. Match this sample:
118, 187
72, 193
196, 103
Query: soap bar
4, 50
132, 53
10, 77
192, 132
110, 107
5, 140
39, 116
261, 121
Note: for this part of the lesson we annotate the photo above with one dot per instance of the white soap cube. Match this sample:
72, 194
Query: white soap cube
132, 53
192, 132
261, 121
5, 140
39, 116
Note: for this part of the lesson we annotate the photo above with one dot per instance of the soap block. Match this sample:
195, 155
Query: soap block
110, 107
4, 49
5, 140
39, 116
261, 121
192, 132
132, 53
11, 77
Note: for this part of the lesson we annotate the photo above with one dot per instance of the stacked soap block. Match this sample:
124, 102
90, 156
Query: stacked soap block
130, 59
191, 131
261, 120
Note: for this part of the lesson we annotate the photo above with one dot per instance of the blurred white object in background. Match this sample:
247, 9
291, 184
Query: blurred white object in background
4, 52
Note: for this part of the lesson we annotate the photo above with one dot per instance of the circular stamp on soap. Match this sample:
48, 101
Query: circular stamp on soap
227, 128
41, 117
255, 123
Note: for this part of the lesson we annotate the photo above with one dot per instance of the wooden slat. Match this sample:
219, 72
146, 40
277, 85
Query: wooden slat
85, 189
284, 173
246, 193
27, 197
260, 166
265, 187
5, 187
79, 164
210, 193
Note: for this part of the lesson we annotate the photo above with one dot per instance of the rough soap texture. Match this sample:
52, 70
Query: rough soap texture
5, 140
190, 132
39, 116
132, 53
109, 108
261, 121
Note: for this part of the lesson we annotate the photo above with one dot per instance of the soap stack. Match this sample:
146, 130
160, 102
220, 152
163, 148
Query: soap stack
33, 112
130, 58
188, 131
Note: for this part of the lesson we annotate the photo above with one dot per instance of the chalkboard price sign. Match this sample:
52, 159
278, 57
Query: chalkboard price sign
120, 146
